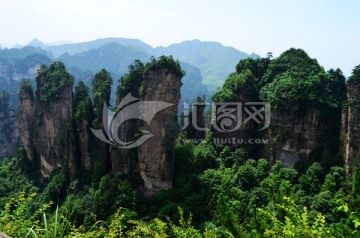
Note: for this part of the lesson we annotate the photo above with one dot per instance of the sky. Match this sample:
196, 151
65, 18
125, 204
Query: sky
328, 30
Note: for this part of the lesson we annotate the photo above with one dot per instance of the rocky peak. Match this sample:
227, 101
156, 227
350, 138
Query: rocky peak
8, 126
45, 120
157, 155
350, 127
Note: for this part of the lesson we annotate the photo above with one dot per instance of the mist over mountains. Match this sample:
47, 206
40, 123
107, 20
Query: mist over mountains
206, 64
214, 60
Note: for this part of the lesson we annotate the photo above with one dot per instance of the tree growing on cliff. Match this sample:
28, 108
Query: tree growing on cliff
101, 94
131, 81
297, 82
167, 62
26, 86
52, 80
355, 76
82, 102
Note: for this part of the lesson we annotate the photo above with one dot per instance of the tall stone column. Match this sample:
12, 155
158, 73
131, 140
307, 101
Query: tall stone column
157, 155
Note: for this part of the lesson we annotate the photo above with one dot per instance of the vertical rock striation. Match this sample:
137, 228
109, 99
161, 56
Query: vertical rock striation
8, 126
157, 155
45, 121
83, 137
350, 129
292, 138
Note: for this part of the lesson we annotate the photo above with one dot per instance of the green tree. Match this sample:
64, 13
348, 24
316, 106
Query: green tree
82, 102
101, 94
311, 181
295, 81
162, 62
52, 80
355, 76
131, 81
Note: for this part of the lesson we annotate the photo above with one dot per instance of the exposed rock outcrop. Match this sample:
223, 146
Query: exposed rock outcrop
19, 64
83, 133
305, 105
157, 155
123, 159
350, 128
55, 138
15, 65
44, 131
292, 138
196, 124
45, 121
26, 120
8, 126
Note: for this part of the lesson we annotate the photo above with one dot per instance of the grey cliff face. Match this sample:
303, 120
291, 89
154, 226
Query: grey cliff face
350, 127
44, 131
293, 138
83, 143
8, 127
157, 155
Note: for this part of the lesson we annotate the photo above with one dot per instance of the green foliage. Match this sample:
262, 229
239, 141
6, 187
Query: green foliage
14, 219
131, 82
164, 62
13, 181
246, 82
224, 95
243, 82
227, 193
295, 81
121, 224
334, 180
82, 103
101, 94
257, 66
296, 222
112, 193
355, 76
52, 80
26, 86
291, 90
56, 188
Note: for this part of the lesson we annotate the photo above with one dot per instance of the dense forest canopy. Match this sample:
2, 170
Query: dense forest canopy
51, 80
291, 81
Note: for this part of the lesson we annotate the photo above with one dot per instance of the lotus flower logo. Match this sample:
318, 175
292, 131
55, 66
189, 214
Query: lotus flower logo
130, 108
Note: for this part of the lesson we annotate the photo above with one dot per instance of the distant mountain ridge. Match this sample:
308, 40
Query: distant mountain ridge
36, 43
214, 60
74, 48
17, 64
112, 56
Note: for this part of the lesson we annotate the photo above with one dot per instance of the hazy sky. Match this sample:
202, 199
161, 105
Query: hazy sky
328, 30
